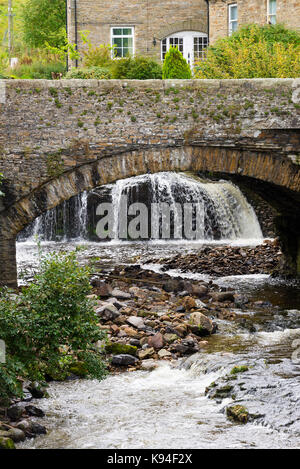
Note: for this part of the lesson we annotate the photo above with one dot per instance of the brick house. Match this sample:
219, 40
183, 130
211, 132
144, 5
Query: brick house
150, 27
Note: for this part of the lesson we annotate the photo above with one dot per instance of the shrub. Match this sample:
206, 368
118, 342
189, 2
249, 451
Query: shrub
253, 52
175, 65
38, 70
95, 56
50, 325
99, 73
136, 68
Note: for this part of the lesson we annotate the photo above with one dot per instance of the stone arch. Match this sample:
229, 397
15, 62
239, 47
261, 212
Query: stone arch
188, 25
268, 168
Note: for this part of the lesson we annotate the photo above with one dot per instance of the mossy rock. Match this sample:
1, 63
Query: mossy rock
79, 369
118, 349
237, 413
239, 369
6, 443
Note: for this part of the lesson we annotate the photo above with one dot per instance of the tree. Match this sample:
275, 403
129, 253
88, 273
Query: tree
175, 65
44, 22
253, 52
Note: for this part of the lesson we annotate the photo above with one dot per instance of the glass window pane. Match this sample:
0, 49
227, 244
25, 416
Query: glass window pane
234, 26
127, 31
272, 7
118, 52
126, 52
117, 31
117, 41
233, 13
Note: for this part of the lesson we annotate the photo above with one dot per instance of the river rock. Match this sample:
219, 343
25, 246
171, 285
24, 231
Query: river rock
200, 324
149, 364
164, 353
128, 331
37, 391
148, 352
199, 291
221, 297
103, 289
124, 360
156, 341
237, 413
120, 349
120, 295
136, 321
15, 412
15, 434
6, 443
138, 292
170, 338
34, 411
189, 303
107, 312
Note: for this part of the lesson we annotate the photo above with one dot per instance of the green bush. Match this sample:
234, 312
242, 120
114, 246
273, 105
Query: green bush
98, 73
38, 70
175, 65
49, 326
136, 68
253, 52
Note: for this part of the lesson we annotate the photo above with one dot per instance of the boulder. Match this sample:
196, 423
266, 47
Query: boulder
37, 390
120, 295
103, 289
163, 353
189, 303
107, 312
123, 360
156, 341
15, 434
146, 353
149, 365
120, 349
237, 413
15, 412
200, 324
136, 321
6, 443
221, 297
34, 411
199, 291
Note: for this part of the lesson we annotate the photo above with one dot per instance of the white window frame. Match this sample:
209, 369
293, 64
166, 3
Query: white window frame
230, 20
132, 35
271, 15
188, 39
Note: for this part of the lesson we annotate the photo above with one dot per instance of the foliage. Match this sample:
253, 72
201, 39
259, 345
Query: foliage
253, 52
49, 325
175, 65
44, 22
136, 68
95, 56
98, 73
38, 70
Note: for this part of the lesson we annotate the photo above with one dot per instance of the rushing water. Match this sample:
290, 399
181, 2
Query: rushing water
168, 407
220, 208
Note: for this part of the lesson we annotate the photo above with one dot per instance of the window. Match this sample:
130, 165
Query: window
272, 7
233, 18
200, 46
171, 42
122, 39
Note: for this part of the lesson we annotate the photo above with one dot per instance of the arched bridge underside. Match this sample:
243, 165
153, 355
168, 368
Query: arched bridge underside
275, 176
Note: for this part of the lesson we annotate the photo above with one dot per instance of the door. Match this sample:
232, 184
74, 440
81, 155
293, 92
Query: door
192, 45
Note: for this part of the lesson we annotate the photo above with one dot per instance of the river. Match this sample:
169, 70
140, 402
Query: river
168, 407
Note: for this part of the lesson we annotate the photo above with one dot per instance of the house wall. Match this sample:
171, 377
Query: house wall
251, 11
150, 18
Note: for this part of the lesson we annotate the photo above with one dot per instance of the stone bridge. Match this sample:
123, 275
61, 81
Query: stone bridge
59, 138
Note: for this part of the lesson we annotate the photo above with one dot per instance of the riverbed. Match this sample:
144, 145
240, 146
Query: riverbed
168, 407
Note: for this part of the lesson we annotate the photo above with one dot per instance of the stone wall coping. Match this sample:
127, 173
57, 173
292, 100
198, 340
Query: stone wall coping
151, 84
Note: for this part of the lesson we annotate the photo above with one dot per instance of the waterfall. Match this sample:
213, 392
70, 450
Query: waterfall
223, 210
219, 209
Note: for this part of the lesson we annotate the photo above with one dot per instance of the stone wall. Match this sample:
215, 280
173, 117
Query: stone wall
49, 127
151, 19
251, 11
